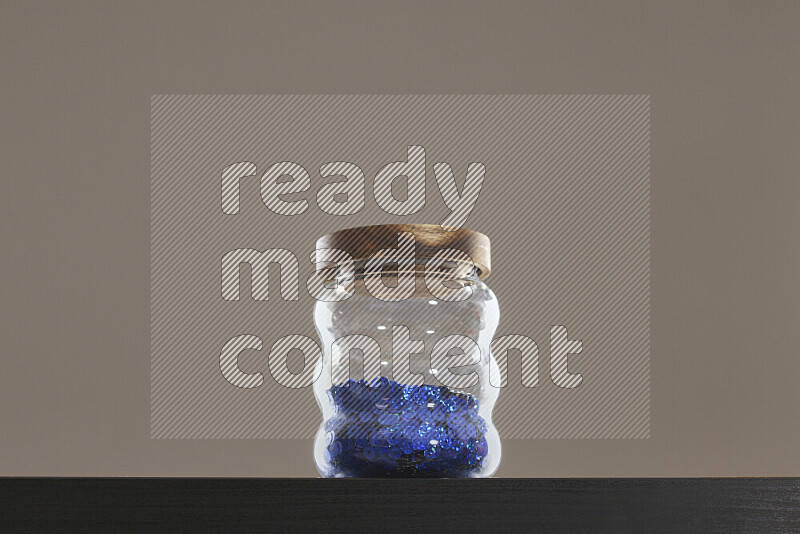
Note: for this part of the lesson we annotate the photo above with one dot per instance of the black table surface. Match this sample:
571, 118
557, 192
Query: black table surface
543, 505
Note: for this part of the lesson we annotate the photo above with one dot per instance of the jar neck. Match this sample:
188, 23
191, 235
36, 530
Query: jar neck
420, 267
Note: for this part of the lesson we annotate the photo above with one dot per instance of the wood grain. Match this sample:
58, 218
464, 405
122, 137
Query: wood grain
363, 241
492, 505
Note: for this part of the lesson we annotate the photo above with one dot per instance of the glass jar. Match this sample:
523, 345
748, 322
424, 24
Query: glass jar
404, 385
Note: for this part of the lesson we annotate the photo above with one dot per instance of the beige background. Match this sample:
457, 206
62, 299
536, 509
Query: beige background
76, 84
565, 202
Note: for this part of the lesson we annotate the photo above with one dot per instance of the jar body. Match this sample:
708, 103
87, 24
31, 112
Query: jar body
401, 416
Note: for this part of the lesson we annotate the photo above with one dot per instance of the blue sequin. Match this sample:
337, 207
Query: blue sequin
437, 414
481, 424
425, 428
431, 451
423, 413
448, 405
420, 397
482, 447
409, 412
388, 419
470, 431
456, 420
429, 392
410, 431
419, 443
378, 440
396, 404
395, 439
370, 454
366, 416
335, 448
387, 429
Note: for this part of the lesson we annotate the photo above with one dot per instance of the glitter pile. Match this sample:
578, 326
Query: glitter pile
386, 429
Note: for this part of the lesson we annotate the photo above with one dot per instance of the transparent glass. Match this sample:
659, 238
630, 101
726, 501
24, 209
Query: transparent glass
388, 423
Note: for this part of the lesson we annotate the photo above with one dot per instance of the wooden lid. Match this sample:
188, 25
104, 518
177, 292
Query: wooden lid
364, 241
